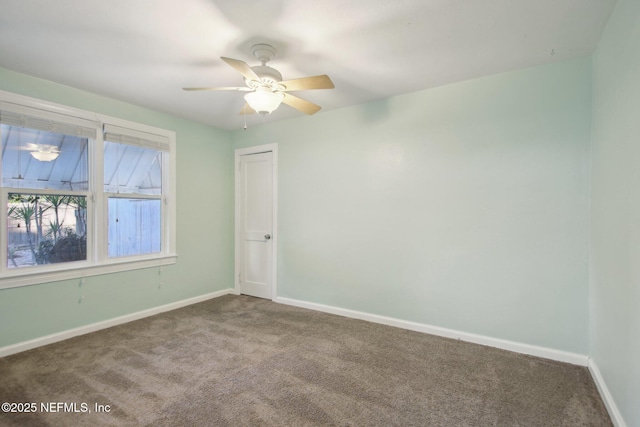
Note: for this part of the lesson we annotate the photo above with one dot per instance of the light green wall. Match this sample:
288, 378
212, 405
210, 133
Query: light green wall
464, 206
205, 202
615, 211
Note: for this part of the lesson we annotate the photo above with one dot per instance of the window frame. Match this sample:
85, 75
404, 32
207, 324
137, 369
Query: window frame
98, 261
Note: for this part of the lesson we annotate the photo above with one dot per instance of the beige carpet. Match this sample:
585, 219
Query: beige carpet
237, 360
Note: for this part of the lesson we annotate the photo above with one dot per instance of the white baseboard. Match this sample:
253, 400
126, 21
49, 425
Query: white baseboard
612, 408
70, 333
547, 353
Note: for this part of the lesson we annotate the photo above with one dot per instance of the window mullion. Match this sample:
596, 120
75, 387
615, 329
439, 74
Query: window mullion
3, 220
167, 208
98, 200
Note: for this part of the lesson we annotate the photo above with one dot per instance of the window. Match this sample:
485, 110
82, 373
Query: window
45, 229
84, 193
134, 226
133, 165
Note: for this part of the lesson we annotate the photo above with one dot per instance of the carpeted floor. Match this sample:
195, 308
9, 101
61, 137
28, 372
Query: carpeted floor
237, 360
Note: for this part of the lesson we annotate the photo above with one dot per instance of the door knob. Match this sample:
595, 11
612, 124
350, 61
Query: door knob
267, 236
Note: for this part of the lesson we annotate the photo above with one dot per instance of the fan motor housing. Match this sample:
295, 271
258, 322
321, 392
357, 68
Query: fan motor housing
267, 74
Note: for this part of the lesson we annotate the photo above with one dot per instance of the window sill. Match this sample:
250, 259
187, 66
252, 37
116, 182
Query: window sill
30, 277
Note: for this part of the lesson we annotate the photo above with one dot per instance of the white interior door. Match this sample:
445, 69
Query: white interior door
254, 194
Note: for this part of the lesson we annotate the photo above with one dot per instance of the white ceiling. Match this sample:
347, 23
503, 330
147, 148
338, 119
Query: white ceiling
145, 51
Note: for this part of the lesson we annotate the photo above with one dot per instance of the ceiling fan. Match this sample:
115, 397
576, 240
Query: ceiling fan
41, 152
266, 87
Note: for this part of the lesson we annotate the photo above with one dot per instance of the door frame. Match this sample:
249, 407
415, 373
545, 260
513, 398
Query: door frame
266, 148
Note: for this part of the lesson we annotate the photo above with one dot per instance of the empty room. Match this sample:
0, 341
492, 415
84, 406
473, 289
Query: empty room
340, 213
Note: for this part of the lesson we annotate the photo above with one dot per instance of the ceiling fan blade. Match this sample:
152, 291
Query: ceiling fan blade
242, 68
307, 83
242, 89
300, 104
247, 110
24, 147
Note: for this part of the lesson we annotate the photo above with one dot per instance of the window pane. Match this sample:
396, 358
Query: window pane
45, 229
134, 226
132, 169
43, 160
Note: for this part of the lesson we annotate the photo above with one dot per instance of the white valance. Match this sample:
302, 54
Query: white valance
138, 138
33, 118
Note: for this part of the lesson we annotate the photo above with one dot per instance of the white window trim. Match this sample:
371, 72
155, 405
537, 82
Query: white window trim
97, 262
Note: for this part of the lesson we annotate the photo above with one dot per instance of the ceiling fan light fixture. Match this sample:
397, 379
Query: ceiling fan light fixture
263, 100
45, 153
